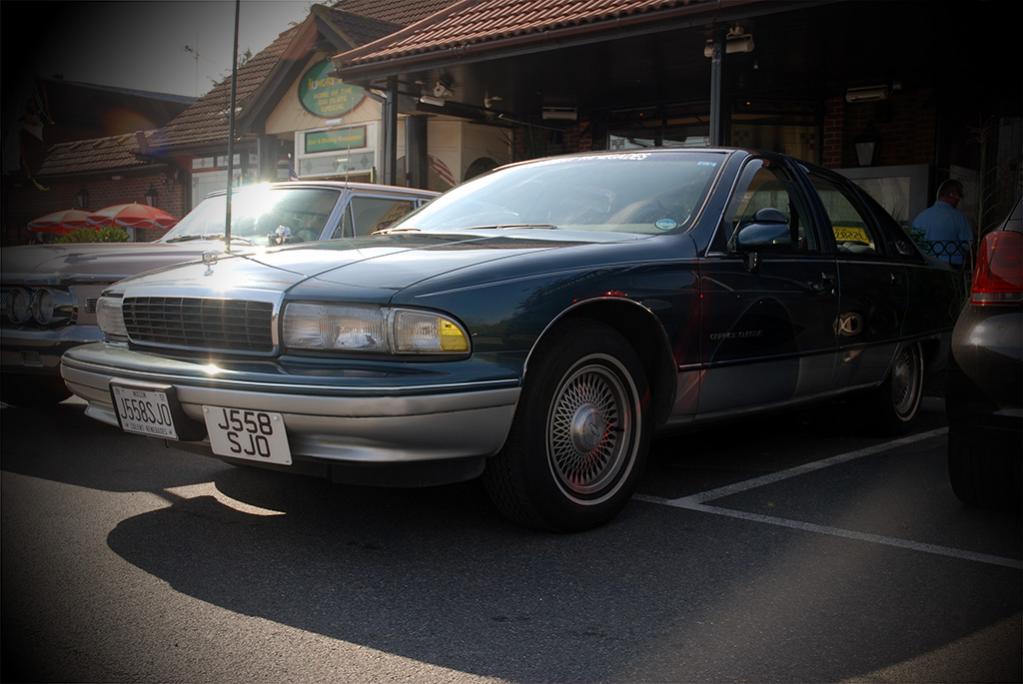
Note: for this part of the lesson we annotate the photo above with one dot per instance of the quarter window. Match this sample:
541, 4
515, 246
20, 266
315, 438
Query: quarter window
853, 232
366, 215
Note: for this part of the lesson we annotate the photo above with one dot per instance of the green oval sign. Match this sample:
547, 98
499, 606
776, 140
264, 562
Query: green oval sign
325, 96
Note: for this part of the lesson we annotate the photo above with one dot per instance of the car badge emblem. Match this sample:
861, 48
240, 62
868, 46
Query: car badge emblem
209, 258
849, 324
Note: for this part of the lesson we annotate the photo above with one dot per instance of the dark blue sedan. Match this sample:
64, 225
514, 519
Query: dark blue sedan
536, 326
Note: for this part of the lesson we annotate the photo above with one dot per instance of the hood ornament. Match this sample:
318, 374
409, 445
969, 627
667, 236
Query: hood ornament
209, 258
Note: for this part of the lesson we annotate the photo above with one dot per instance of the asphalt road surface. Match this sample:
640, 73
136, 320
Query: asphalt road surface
790, 548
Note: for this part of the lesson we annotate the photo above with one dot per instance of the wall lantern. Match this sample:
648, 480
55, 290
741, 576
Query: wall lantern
151, 196
82, 198
866, 147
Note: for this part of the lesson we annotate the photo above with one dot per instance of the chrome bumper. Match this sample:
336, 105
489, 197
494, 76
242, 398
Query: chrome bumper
39, 351
330, 423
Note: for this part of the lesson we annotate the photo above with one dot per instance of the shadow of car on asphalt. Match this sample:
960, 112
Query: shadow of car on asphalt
60, 443
437, 576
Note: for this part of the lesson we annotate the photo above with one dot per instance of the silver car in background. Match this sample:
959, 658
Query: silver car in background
49, 292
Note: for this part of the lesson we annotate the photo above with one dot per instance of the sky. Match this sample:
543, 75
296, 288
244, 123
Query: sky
136, 43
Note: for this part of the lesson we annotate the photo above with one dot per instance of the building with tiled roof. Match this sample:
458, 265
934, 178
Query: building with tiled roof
400, 12
463, 25
825, 81
113, 153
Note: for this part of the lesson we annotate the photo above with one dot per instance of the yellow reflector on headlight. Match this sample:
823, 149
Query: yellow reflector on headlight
425, 332
452, 339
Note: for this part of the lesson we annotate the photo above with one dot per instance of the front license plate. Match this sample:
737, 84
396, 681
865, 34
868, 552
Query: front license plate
243, 433
144, 411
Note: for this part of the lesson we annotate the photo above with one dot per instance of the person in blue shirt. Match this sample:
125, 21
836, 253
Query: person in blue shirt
944, 227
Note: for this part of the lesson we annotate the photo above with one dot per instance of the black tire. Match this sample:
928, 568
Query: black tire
32, 390
580, 436
895, 404
984, 473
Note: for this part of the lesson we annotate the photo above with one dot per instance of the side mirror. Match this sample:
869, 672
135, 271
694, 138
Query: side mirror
770, 228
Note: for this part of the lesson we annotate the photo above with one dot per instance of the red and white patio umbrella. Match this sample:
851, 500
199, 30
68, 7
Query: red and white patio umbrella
63, 221
133, 215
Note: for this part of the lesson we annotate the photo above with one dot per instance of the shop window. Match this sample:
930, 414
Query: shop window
799, 141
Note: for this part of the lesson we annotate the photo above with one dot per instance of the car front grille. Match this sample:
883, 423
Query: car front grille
201, 324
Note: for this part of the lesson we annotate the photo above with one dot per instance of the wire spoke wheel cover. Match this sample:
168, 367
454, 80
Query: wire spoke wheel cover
907, 382
591, 429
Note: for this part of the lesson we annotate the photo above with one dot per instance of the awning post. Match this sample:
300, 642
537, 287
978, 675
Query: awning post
391, 132
717, 74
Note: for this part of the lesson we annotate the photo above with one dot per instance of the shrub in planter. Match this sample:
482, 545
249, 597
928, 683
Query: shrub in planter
93, 235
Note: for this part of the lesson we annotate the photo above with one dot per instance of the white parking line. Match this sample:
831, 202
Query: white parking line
695, 502
722, 492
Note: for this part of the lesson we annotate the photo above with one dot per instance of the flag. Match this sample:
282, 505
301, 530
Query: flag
442, 170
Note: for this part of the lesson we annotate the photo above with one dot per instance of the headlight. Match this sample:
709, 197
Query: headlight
353, 328
21, 306
51, 306
109, 316
372, 329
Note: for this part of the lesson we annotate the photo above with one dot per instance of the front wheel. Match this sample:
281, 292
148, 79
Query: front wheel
580, 436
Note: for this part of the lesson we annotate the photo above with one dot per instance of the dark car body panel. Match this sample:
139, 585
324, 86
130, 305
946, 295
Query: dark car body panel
765, 337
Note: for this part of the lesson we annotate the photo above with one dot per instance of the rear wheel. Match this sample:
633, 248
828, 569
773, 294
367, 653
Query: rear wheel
580, 436
896, 402
32, 390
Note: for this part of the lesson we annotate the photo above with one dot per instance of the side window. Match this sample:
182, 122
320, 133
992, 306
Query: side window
765, 186
853, 231
366, 215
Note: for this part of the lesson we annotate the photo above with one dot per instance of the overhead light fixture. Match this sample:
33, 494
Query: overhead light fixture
737, 40
431, 100
867, 94
560, 114
439, 96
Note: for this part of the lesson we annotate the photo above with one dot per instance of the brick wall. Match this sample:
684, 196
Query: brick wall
905, 125
25, 202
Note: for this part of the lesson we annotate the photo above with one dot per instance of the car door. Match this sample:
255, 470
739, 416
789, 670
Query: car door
767, 335
872, 284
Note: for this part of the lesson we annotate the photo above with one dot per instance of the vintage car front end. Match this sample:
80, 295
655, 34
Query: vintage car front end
371, 392
39, 321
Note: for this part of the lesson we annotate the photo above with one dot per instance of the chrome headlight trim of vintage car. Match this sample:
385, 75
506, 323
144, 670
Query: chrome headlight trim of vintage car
51, 306
110, 316
39, 306
371, 329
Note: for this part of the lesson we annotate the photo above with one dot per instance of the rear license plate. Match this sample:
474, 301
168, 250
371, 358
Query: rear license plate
244, 433
144, 411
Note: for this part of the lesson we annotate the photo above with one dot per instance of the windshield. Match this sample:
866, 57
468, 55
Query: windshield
624, 193
260, 215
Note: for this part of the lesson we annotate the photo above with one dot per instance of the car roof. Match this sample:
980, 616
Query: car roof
340, 185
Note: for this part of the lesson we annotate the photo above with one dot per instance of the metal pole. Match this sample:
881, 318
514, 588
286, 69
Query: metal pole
391, 132
717, 67
230, 134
